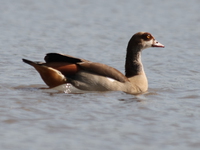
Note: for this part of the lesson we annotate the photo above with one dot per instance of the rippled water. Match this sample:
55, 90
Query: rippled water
167, 118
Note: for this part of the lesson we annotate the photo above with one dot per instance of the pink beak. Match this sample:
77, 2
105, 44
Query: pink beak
157, 44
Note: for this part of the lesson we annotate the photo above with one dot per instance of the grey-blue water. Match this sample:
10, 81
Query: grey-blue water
167, 118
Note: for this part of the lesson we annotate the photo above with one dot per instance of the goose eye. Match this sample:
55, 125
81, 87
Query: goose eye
148, 36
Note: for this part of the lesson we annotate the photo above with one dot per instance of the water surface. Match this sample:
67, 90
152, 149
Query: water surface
168, 117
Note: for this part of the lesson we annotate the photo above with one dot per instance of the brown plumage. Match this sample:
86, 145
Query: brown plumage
85, 75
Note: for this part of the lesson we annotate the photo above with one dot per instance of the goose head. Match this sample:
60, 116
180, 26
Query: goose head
143, 40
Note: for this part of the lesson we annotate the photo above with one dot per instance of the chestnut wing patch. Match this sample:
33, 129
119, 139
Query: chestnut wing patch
65, 68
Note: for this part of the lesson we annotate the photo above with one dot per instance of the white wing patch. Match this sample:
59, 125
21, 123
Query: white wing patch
110, 79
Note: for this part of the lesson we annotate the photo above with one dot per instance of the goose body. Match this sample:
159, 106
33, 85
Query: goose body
91, 76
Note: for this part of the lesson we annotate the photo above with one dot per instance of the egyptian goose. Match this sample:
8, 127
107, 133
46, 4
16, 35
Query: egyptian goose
91, 76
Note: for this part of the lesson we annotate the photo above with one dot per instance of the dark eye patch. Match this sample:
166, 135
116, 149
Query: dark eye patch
147, 36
